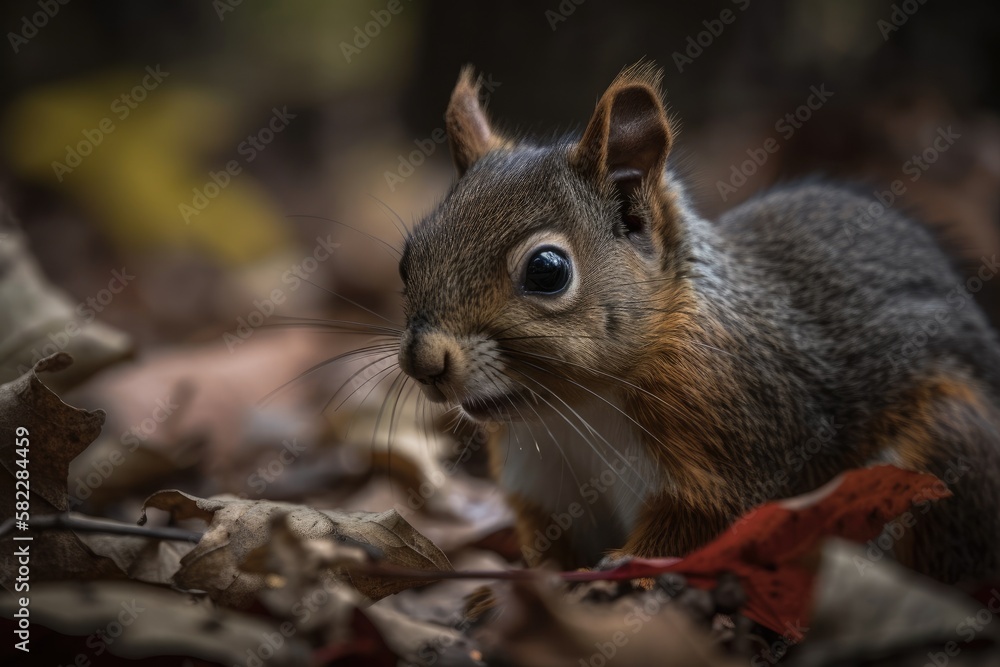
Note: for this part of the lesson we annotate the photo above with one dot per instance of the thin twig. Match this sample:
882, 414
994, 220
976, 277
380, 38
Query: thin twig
84, 524
634, 569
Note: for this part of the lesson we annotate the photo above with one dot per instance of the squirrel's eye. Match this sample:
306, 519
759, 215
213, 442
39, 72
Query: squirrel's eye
548, 272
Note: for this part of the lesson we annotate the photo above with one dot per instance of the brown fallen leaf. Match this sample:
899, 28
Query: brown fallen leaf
55, 434
36, 319
237, 528
446, 602
536, 626
140, 621
153, 561
457, 511
419, 642
429, 625
190, 410
302, 585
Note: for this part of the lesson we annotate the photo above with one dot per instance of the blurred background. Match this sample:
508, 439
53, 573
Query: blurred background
186, 172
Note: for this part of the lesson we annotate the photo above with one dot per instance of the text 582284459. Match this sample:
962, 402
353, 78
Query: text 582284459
22, 546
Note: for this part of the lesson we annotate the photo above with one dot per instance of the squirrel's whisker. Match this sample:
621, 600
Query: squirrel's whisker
320, 322
492, 367
387, 371
350, 301
360, 353
614, 407
490, 371
401, 399
394, 218
356, 374
622, 381
588, 426
552, 437
400, 379
396, 253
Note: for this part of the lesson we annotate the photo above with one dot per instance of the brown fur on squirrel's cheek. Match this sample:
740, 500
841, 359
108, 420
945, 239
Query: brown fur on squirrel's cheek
685, 376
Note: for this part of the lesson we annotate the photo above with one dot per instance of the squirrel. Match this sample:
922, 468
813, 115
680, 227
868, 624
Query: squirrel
660, 374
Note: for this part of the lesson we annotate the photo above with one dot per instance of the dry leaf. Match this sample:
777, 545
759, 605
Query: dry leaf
239, 527
193, 408
153, 561
142, 621
56, 433
419, 642
867, 610
303, 588
36, 320
536, 626
426, 626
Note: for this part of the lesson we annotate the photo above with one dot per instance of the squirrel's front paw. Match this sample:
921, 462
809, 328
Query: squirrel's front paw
618, 558
613, 559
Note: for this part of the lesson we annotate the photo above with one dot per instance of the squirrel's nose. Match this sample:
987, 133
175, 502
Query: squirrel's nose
428, 358
431, 366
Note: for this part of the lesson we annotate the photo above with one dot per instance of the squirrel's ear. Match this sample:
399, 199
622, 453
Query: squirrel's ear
469, 132
629, 135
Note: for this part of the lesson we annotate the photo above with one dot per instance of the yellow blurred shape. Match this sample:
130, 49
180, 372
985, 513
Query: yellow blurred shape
133, 163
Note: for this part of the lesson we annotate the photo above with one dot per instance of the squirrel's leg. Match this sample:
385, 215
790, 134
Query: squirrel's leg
535, 538
668, 527
948, 426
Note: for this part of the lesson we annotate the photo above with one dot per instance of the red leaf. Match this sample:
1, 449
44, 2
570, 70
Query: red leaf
773, 548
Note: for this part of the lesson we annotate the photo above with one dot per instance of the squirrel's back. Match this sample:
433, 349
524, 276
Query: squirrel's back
862, 292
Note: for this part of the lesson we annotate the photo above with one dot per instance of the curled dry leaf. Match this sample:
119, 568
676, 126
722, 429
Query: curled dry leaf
56, 433
142, 621
303, 587
238, 528
465, 509
153, 561
420, 468
306, 591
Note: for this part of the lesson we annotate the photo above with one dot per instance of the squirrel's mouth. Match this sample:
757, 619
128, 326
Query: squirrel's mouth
502, 407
